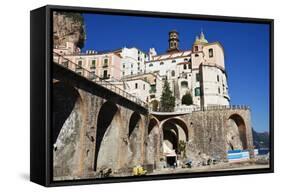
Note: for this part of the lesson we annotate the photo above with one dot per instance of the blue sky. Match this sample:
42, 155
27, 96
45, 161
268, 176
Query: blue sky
246, 48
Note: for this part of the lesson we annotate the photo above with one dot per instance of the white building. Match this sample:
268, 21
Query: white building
133, 61
199, 71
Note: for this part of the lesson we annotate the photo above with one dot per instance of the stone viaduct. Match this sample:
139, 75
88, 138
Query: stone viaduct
94, 127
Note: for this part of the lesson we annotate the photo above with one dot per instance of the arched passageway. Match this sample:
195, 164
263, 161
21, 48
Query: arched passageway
174, 131
133, 123
153, 143
105, 119
236, 133
135, 139
64, 100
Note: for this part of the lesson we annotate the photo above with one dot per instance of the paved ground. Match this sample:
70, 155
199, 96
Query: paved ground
219, 167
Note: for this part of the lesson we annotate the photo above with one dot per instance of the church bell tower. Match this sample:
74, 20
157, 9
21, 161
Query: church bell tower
173, 41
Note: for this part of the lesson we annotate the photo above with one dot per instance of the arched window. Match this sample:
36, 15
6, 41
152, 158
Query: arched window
211, 52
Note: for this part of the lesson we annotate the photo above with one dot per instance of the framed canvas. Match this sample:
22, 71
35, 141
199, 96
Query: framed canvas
120, 95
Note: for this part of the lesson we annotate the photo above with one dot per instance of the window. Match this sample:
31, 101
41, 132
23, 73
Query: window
211, 52
143, 86
123, 73
105, 74
218, 78
105, 61
93, 66
150, 65
189, 66
196, 48
136, 85
80, 63
197, 91
219, 90
131, 72
161, 63
173, 61
131, 65
197, 77
173, 73
123, 65
184, 66
138, 58
184, 84
185, 59
196, 55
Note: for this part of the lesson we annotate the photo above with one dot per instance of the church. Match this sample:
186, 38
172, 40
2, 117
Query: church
199, 71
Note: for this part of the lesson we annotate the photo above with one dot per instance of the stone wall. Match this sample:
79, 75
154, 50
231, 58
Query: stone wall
91, 133
95, 135
210, 132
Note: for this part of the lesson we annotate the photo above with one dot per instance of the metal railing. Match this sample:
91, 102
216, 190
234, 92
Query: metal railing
208, 108
67, 63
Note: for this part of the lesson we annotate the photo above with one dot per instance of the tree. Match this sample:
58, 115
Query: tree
187, 99
167, 99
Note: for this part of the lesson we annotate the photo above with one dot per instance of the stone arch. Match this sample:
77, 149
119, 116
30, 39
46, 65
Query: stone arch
153, 122
135, 139
236, 133
108, 114
173, 130
181, 124
153, 142
134, 120
170, 136
67, 125
65, 97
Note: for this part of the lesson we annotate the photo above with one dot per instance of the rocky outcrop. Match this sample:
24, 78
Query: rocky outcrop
68, 27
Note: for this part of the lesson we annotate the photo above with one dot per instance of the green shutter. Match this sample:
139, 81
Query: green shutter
197, 91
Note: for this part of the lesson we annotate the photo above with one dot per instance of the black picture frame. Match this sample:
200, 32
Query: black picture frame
41, 90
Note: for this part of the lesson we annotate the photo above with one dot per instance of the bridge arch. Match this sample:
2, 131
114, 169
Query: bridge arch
153, 141
135, 139
108, 121
236, 133
153, 122
174, 130
133, 123
182, 128
65, 99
